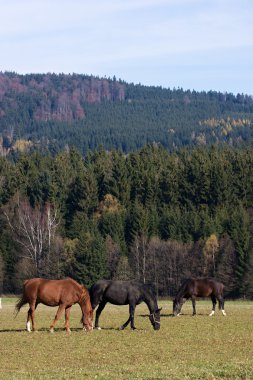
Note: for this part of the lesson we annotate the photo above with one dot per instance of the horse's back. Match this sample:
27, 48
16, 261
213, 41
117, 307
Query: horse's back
207, 286
117, 292
120, 292
52, 292
99, 286
31, 286
200, 287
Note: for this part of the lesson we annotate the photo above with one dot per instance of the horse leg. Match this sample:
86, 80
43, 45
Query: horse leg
214, 301
125, 324
57, 316
130, 319
132, 310
221, 305
31, 317
67, 314
28, 321
98, 312
193, 305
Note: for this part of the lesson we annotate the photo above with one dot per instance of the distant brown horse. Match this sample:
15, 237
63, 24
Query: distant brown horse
62, 293
199, 287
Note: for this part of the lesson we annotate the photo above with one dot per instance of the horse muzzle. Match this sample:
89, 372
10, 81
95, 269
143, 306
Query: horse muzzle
88, 328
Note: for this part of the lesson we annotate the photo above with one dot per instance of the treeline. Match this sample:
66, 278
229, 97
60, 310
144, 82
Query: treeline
152, 215
47, 112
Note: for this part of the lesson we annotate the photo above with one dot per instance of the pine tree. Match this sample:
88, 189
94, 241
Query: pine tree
239, 231
90, 259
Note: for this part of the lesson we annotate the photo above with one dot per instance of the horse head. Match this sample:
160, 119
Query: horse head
155, 319
87, 321
177, 306
87, 317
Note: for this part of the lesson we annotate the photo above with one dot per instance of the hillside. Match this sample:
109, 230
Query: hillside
47, 112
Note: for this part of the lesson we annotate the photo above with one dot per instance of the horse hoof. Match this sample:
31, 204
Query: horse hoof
68, 331
121, 328
98, 328
51, 330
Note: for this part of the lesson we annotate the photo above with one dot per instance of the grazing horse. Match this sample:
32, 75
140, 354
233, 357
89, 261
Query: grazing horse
63, 293
130, 293
199, 287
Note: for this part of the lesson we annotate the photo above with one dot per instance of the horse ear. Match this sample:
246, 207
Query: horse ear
159, 309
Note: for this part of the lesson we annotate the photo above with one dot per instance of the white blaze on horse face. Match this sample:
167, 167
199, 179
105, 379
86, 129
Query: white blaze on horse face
28, 326
211, 314
224, 313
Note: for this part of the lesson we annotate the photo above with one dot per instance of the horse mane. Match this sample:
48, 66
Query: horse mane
84, 295
150, 288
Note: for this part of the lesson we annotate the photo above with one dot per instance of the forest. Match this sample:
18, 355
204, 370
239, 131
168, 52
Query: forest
50, 112
152, 214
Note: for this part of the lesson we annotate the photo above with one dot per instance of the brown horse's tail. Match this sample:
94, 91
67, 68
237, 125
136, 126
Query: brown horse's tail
21, 302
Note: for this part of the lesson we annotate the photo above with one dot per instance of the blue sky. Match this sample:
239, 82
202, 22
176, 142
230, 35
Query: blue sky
193, 44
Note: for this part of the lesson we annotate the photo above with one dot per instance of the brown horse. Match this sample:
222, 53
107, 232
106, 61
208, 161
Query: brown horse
63, 293
199, 287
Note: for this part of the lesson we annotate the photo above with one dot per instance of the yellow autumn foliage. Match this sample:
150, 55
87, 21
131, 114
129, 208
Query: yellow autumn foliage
22, 145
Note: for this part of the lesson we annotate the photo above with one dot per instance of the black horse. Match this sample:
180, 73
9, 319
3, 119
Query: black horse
130, 293
199, 287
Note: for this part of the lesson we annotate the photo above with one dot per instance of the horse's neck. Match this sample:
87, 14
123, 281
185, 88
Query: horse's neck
151, 303
181, 292
84, 301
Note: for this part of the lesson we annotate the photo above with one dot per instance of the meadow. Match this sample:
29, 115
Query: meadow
185, 347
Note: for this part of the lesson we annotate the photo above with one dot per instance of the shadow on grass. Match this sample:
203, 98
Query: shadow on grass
180, 316
12, 330
59, 329
161, 315
43, 329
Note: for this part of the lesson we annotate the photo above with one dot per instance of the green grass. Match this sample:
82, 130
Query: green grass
186, 347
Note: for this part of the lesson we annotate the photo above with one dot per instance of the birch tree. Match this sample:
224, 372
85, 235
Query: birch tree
34, 229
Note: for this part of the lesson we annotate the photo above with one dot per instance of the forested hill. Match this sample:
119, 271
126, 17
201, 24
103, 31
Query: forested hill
46, 112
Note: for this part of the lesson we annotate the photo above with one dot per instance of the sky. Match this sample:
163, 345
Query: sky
191, 44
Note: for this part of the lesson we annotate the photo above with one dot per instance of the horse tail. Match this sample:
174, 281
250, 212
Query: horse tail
21, 302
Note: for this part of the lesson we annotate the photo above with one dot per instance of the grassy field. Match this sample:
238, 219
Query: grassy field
186, 347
